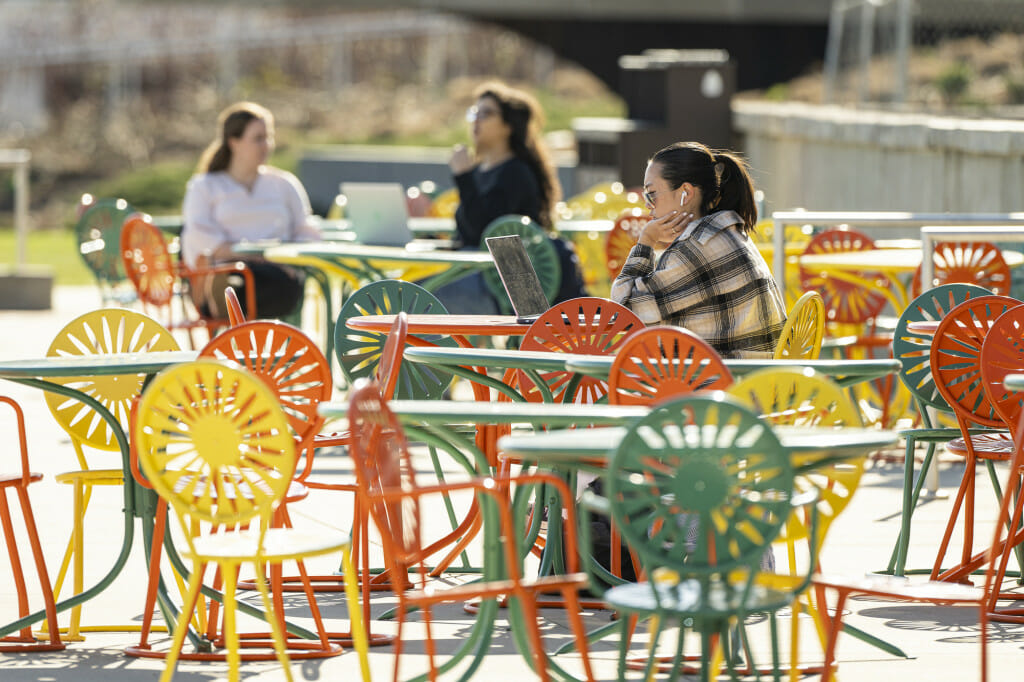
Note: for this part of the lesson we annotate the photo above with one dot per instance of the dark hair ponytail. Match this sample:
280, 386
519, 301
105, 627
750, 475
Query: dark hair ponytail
722, 177
736, 189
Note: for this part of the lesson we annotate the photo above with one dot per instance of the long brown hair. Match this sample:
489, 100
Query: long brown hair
722, 176
521, 112
232, 123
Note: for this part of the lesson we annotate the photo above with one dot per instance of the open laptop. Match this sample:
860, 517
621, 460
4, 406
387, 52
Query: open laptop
377, 213
518, 277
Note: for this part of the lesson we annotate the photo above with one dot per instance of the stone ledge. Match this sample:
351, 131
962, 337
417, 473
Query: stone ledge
886, 129
26, 287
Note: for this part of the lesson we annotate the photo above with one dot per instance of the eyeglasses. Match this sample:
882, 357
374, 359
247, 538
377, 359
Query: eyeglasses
649, 196
475, 113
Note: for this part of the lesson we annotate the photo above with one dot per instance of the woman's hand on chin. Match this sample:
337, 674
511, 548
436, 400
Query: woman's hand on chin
664, 230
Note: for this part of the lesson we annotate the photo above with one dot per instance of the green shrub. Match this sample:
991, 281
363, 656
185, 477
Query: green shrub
1014, 84
154, 189
953, 81
777, 93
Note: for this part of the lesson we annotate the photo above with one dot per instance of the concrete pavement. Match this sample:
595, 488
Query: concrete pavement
943, 641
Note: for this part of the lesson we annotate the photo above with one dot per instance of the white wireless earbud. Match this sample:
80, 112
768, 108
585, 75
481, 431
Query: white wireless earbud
682, 197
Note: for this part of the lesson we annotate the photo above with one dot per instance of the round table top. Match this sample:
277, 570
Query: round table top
446, 323
540, 360
94, 365
454, 411
571, 446
600, 366
890, 260
418, 252
902, 260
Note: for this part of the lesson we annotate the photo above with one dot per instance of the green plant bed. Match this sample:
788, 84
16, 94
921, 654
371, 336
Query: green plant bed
56, 248
155, 189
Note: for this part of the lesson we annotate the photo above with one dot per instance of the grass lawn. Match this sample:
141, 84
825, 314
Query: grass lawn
56, 248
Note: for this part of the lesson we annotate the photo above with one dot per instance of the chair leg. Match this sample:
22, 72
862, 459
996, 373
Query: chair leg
231, 639
835, 626
898, 560
1012, 544
181, 627
965, 484
983, 626
398, 641
527, 605
928, 462
624, 639
431, 646
277, 632
73, 560
579, 630
15, 558
37, 554
773, 622
359, 636
314, 608
82, 495
26, 640
155, 554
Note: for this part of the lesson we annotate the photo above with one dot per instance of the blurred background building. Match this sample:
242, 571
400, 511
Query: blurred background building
99, 87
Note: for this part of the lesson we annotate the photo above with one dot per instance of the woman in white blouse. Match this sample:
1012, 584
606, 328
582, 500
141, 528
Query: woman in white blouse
236, 196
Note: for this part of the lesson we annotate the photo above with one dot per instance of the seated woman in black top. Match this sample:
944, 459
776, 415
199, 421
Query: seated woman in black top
510, 171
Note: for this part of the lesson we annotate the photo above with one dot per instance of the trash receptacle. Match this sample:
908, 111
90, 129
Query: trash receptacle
670, 95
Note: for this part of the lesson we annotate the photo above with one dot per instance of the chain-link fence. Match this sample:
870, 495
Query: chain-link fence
946, 53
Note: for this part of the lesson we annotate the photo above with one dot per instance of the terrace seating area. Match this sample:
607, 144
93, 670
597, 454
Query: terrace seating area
441, 466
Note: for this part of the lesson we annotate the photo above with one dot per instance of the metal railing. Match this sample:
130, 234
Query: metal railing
957, 221
932, 234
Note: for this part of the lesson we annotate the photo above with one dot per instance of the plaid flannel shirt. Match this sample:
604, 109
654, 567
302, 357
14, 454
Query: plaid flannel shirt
711, 280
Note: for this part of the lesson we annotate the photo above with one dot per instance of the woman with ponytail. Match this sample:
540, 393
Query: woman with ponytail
509, 172
710, 277
236, 196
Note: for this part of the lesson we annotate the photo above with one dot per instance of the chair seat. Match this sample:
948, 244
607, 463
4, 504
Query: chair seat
279, 544
997, 445
8, 480
899, 588
332, 439
496, 588
92, 476
296, 489
685, 598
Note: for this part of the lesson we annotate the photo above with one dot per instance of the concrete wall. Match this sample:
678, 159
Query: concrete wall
829, 158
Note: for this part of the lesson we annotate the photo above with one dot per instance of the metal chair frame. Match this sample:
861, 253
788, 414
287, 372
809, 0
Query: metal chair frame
18, 483
207, 432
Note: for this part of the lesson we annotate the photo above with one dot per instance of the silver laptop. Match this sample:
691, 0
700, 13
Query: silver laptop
377, 213
519, 277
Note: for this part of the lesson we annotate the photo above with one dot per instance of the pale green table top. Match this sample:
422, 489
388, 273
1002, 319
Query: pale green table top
843, 371
466, 411
334, 250
94, 365
577, 447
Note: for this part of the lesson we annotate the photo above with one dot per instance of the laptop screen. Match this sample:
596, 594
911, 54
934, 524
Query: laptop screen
377, 213
518, 277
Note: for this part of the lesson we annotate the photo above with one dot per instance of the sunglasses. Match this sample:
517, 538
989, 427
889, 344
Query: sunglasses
649, 196
475, 113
